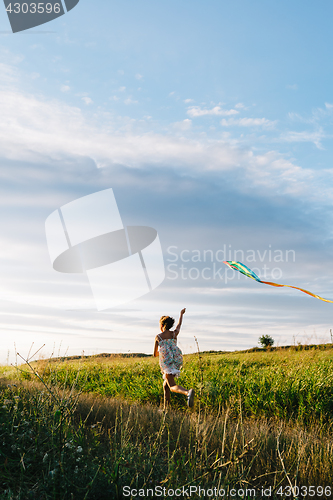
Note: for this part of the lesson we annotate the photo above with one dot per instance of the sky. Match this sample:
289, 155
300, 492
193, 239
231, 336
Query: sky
212, 123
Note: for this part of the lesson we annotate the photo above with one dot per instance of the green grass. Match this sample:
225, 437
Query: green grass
261, 419
282, 384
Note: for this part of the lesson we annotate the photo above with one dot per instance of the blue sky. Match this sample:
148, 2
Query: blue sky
212, 122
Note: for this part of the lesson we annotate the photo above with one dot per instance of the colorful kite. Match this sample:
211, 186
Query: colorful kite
238, 266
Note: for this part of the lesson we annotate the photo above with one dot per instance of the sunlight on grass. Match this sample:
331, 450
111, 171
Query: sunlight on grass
96, 426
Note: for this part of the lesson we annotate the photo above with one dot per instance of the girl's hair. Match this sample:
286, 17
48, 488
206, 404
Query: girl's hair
167, 322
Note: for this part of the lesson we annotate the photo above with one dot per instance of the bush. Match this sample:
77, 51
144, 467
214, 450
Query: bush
266, 341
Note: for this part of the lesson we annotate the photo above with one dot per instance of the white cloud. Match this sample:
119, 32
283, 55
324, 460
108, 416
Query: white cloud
87, 100
183, 125
38, 130
304, 136
195, 111
292, 87
138, 76
248, 122
316, 115
65, 88
129, 100
240, 105
9, 75
295, 116
272, 169
187, 101
122, 89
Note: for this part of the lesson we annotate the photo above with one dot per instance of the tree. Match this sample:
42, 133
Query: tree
266, 341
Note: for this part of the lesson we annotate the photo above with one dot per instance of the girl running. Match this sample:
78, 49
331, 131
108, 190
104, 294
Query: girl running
171, 359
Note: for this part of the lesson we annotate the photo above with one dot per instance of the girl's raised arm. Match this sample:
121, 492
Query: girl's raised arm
177, 329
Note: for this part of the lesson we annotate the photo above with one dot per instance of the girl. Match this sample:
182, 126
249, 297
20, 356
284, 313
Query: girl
171, 359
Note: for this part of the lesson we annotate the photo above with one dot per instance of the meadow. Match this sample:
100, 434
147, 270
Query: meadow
86, 428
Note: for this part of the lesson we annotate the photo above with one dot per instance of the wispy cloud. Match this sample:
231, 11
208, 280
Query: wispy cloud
248, 122
183, 125
305, 136
296, 117
87, 100
8, 75
196, 111
129, 100
292, 87
35, 129
317, 116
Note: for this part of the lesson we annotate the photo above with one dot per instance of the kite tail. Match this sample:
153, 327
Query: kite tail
301, 289
238, 266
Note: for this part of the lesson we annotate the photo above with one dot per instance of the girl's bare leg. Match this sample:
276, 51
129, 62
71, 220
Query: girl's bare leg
166, 394
174, 387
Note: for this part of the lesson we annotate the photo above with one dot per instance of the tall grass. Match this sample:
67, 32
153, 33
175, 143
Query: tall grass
102, 445
282, 384
264, 421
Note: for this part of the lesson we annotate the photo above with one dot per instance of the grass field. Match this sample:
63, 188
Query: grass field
261, 420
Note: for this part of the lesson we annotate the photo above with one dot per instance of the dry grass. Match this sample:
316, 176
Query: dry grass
130, 443
145, 446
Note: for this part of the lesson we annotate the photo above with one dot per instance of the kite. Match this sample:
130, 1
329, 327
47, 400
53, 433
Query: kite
238, 266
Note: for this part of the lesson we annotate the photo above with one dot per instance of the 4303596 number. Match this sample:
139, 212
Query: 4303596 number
34, 8
305, 491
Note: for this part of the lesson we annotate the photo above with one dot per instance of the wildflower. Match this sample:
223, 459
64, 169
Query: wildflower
45, 457
76, 470
79, 449
52, 472
68, 445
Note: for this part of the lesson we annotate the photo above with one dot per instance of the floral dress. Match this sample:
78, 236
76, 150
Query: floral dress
170, 358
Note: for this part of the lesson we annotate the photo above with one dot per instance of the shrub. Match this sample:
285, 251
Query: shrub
266, 341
